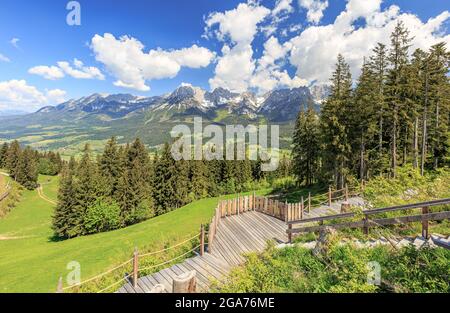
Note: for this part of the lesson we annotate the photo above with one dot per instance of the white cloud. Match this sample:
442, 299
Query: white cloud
132, 67
79, 71
239, 24
314, 51
48, 72
283, 7
17, 94
269, 74
15, 42
236, 68
315, 9
4, 58
56, 95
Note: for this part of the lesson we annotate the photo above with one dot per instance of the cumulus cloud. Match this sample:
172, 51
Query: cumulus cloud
315, 9
17, 94
236, 68
78, 71
126, 60
48, 72
4, 58
314, 50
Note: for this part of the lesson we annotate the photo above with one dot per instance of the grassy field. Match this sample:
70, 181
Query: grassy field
33, 261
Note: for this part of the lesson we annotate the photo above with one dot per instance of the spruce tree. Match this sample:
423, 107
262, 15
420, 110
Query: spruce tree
396, 89
12, 158
66, 219
4, 155
333, 124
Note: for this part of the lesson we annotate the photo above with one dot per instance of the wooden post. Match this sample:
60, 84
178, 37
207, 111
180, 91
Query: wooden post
366, 225
346, 192
289, 233
329, 196
301, 209
425, 234
285, 211
185, 283
202, 240
135, 267
254, 201
309, 202
59, 288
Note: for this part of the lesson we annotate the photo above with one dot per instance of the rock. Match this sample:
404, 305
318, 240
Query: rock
323, 241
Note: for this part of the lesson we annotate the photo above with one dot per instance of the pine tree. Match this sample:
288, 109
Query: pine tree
66, 219
306, 149
86, 189
363, 122
333, 124
396, 87
12, 158
110, 166
26, 172
198, 180
4, 155
440, 102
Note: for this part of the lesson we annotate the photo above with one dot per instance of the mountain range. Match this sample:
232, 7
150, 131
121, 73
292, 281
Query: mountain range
99, 116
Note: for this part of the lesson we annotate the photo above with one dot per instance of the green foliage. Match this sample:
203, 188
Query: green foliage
342, 269
102, 216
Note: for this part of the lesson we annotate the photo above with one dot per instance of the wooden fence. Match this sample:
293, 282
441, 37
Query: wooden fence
284, 211
368, 221
6, 193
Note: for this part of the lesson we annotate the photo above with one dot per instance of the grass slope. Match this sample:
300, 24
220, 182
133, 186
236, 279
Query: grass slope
34, 262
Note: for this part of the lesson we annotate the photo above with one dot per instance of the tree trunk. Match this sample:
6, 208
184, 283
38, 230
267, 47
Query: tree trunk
424, 127
394, 145
416, 143
436, 139
361, 169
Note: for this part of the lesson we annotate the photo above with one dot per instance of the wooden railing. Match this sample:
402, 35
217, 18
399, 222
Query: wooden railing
6, 193
284, 211
366, 221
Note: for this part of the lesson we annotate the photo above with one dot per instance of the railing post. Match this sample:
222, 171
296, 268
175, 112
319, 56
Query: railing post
254, 201
301, 209
135, 267
284, 213
289, 233
366, 225
425, 210
329, 196
59, 288
346, 192
309, 201
202, 240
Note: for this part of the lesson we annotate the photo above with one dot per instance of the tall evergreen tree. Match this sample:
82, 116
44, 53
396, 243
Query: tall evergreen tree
396, 88
333, 124
306, 149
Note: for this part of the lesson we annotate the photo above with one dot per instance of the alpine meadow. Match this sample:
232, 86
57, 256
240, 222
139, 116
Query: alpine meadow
258, 147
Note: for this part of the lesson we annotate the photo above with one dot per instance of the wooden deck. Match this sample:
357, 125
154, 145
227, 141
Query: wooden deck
235, 236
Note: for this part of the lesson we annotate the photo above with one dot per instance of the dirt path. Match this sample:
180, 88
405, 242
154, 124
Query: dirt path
41, 194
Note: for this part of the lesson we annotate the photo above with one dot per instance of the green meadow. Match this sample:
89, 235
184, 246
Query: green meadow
33, 261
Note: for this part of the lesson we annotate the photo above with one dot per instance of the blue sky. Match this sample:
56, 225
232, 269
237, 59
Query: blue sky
256, 45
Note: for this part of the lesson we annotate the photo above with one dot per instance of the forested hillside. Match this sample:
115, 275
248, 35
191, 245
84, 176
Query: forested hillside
396, 114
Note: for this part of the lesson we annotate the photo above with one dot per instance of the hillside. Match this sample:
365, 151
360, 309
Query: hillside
97, 117
32, 261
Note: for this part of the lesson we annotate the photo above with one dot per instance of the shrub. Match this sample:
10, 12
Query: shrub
102, 216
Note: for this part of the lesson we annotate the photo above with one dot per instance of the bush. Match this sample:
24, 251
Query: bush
343, 269
143, 211
102, 216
